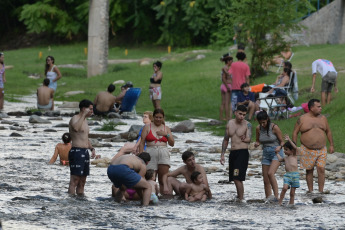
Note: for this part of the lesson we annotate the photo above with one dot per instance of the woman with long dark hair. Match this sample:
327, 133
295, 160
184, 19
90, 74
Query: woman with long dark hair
155, 85
225, 88
157, 136
270, 136
52, 72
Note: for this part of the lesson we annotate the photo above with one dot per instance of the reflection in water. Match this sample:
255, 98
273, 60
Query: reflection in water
33, 194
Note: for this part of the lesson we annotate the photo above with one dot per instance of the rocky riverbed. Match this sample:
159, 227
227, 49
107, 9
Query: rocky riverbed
33, 194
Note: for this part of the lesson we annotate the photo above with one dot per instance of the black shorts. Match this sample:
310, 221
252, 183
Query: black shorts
79, 161
238, 164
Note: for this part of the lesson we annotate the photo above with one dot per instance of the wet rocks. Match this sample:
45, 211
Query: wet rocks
215, 149
317, 200
50, 130
214, 122
135, 128
186, 126
62, 125
14, 134
17, 114
37, 119
3, 115
7, 122
113, 115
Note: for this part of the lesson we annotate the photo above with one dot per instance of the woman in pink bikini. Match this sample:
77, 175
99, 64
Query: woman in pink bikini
157, 135
225, 88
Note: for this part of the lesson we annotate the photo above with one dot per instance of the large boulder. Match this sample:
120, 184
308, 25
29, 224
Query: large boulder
135, 128
3, 115
331, 158
184, 127
37, 119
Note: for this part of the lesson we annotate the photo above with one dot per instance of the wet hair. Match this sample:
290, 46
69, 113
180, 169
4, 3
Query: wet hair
150, 114
149, 174
288, 64
240, 56
157, 111
244, 85
111, 88
46, 81
288, 145
145, 157
158, 64
241, 108
261, 116
66, 138
47, 66
226, 58
186, 155
194, 175
288, 71
85, 104
312, 102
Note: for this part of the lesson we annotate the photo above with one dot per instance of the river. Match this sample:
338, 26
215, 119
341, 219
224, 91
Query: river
33, 194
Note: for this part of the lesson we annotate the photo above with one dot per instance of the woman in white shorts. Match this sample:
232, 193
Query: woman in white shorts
157, 136
155, 85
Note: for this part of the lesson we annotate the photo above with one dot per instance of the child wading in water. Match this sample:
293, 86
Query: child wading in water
150, 176
291, 177
197, 190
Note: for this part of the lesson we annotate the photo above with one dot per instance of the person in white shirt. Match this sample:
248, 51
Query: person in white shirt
329, 79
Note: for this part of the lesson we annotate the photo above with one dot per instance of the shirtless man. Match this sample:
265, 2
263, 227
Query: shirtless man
79, 158
240, 132
45, 96
128, 171
104, 101
172, 184
313, 127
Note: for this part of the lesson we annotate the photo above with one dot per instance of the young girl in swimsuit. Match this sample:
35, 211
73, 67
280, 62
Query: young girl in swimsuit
225, 88
62, 150
2, 81
155, 85
157, 136
52, 73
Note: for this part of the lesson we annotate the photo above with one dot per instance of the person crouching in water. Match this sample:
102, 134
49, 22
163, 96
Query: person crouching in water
128, 171
198, 190
62, 150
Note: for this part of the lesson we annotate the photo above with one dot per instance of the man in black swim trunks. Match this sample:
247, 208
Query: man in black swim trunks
79, 157
240, 132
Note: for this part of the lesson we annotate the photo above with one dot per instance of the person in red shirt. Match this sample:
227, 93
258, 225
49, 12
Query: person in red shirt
240, 74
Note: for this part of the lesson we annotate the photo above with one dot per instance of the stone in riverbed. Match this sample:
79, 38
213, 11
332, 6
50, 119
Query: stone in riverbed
317, 200
15, 135
7, 122
3, 115
215, 122
184, 127
331, 158
50, 130
37, 119
62, 125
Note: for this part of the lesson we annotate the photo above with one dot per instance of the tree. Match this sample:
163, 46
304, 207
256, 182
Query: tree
263, 25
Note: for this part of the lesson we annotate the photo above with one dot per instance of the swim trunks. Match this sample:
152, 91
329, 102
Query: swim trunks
49, 106
238, 164
123, 175
292, 179
131, 193
159, 156
328, 81
311, 157
79, 161
154, 198
224, 89
156, 93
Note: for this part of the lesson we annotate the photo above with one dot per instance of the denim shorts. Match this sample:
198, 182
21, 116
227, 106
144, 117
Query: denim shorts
269, 154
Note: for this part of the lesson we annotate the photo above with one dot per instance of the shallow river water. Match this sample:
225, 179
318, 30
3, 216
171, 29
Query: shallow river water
33, 194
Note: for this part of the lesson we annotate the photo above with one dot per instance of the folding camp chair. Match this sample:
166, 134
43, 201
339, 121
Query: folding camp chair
130, 100
282, 62
276, 107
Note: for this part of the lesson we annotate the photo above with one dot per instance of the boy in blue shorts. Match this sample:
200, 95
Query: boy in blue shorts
291, 177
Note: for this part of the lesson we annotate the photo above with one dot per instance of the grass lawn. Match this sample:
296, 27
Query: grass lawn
191, 88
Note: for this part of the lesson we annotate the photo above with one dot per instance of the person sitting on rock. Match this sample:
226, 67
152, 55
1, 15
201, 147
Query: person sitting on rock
62, 150
104, 102
174, 185
122, 94
45, 96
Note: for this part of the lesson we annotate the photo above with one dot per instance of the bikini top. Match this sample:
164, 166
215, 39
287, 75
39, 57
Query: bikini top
152, 80
150, 137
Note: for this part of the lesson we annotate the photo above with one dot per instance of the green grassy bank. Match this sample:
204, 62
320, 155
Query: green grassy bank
190, 87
